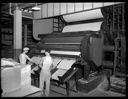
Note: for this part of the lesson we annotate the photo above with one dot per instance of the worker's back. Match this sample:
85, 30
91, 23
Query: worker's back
22, 58
47, 63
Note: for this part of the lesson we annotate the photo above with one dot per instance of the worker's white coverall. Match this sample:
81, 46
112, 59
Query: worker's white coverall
45, 74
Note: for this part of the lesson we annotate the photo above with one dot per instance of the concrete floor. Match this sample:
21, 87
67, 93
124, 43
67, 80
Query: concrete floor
60, 92
56, 91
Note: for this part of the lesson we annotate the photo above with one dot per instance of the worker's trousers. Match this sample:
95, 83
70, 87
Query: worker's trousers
45, 77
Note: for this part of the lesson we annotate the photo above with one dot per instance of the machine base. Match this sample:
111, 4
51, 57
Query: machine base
88, 85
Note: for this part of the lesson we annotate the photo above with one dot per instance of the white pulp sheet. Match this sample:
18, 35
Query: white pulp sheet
36, 59
26, 75
95, 26
59, 72
8, 61
63, 66
86, 15
10, 79
66, 64
56, 61
13, 78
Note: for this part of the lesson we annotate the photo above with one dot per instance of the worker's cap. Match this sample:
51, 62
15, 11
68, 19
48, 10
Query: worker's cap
26, 49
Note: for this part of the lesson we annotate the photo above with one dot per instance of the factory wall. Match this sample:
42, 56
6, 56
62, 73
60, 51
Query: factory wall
6, 36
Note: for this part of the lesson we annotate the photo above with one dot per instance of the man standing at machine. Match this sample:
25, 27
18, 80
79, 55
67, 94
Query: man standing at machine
46, 65
24, 57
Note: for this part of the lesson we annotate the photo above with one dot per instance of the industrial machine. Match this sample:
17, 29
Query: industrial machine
77, 51
73, 53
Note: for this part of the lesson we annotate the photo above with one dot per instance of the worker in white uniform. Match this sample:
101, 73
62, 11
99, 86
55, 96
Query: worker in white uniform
46, 65
24, 57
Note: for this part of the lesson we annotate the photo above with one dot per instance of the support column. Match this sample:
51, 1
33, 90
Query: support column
25, 34
17, 33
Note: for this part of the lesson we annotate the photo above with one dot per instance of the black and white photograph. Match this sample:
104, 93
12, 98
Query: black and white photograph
83, 43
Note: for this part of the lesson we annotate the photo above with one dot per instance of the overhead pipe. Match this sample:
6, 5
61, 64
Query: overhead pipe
10, 9
10, 6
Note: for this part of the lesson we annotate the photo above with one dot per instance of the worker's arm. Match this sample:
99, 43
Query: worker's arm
29, 59
41, 62
52, 66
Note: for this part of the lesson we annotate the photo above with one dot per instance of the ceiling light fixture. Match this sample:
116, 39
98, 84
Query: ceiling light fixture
36, 8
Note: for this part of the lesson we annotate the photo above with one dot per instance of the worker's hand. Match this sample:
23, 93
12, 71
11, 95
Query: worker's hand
30, 63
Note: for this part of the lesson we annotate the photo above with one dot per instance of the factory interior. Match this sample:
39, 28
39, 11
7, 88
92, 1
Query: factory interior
87, 43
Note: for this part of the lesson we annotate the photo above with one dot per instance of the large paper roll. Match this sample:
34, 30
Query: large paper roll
86, 15
95, 26
82, 16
